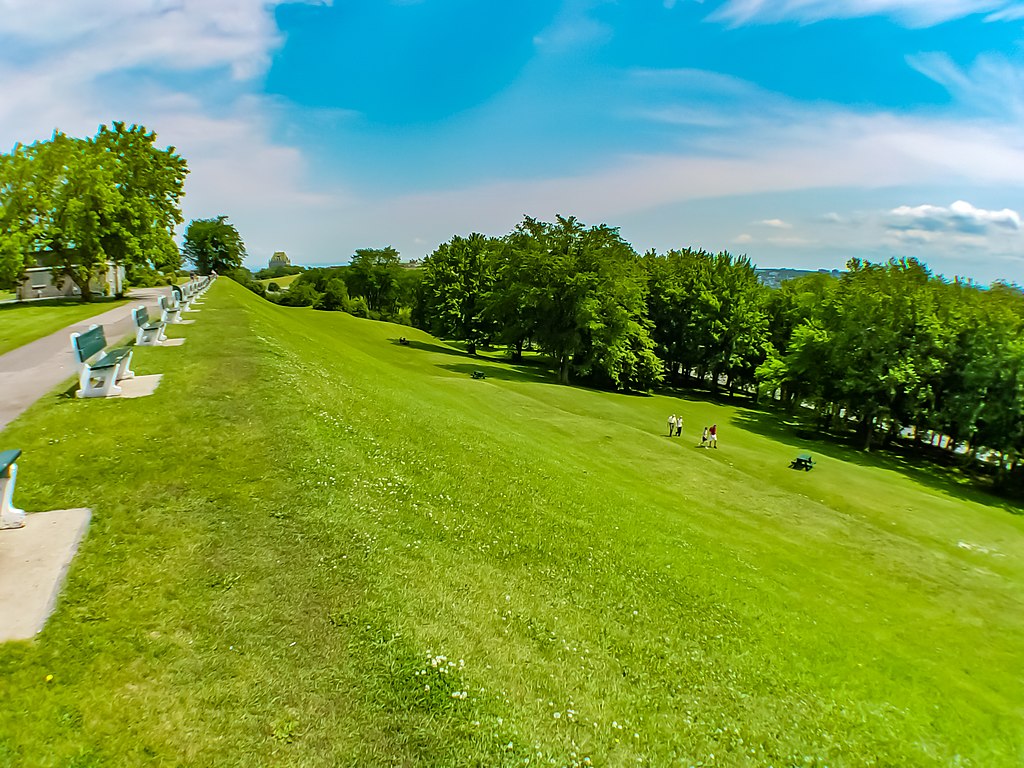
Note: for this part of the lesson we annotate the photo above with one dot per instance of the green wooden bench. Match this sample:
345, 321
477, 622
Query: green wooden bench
803, 461
147, 334
478, 375
99, 378
10, 516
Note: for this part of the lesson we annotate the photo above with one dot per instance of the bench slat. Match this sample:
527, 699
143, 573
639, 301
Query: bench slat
112, 358
6, 459
89, 343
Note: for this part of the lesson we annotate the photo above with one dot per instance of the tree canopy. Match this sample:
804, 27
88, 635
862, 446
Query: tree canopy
81, 203
213, 245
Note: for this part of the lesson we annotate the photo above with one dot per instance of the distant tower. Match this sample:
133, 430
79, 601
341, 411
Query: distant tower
280, 259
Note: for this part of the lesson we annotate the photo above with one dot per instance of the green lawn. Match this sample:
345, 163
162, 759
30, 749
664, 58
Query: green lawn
23, 322
315, 547
283, 281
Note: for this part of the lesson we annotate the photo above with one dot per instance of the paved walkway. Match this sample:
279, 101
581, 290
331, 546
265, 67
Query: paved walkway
29, 372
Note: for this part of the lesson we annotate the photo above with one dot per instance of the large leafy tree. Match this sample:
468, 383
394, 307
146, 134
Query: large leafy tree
150, 182
213, 245
582, 292
456, 278
709, 312
374, 275
82, 203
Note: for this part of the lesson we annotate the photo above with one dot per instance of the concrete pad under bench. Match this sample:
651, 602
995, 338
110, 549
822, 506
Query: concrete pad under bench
34, 561
172, 342
140, 386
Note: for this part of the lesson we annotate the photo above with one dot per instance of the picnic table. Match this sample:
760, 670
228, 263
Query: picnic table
803, 461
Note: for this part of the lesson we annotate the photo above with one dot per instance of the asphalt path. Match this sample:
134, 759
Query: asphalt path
29, 372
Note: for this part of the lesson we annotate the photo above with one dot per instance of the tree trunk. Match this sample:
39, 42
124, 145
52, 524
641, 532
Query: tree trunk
563, 369
470, 347
85, 290
868, 425
517, 352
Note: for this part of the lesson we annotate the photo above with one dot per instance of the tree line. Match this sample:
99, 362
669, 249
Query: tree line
884, 352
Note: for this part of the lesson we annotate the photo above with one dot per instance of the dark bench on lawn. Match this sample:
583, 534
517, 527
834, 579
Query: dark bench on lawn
10, 516
803, 461
99, 378
148, 334
478, 375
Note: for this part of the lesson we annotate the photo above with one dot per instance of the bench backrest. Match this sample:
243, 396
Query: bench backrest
141, 316
176, 290
6, 459
89, 343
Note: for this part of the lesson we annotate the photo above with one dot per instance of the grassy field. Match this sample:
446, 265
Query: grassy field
283, 281
21, 323
315, 547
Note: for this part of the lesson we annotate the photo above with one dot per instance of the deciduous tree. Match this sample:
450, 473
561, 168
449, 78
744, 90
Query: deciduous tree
213, 245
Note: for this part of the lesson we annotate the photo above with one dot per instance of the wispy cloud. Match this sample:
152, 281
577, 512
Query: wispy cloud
914, 13
992, 85
775, 223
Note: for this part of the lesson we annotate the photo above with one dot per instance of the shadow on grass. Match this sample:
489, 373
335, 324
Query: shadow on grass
523, 373
949, 480
425, 346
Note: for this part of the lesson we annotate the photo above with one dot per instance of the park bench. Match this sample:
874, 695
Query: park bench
181, 296
99, 378
10, 516
170, 311
803, 461
478, 375
148, 334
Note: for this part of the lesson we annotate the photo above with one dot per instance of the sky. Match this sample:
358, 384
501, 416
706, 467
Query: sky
800, 133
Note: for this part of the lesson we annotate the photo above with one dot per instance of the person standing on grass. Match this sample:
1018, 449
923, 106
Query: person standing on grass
704, 438
679, 426
713, 435
671, 425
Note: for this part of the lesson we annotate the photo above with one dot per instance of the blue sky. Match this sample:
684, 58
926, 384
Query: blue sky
799, 132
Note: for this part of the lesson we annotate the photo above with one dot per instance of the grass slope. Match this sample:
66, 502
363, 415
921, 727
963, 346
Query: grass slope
21, 323
284, 281
315, 547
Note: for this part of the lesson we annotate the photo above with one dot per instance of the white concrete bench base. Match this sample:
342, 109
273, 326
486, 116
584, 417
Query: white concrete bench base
140, 386
10, 515
104, 382
34, 559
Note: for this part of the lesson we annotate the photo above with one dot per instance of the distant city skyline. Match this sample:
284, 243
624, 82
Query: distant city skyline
800, 133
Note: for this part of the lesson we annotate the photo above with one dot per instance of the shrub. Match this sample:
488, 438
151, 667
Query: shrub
358, 307
335, 297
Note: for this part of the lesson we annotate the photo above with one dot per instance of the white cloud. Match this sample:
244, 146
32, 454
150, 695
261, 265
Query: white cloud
775, 223
101, 36
961, 216
915, 13
744, 239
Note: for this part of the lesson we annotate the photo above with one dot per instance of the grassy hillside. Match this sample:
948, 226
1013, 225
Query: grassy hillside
316, 547
284, 281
